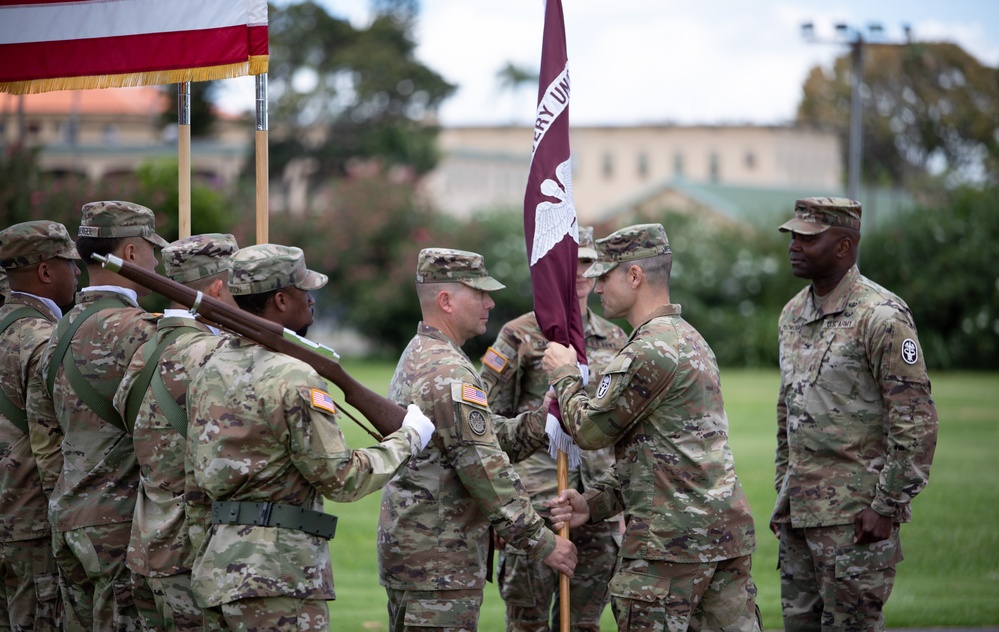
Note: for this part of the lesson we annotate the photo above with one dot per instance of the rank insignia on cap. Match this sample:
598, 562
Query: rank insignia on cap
495, 360
473, 395
323, 401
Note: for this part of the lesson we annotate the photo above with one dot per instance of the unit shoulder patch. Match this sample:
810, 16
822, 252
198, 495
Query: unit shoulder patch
321, 400
473, 395
495, 360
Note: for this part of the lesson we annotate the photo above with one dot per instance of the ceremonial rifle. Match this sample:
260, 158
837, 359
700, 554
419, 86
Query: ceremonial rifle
384, 414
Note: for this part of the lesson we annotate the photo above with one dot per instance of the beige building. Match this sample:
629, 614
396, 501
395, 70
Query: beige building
107, 133
615, 167
736, 171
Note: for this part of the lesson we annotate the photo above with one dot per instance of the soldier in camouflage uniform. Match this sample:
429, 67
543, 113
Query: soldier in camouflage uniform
264, 445
153, 404
516, 383
433, 532
41, 260
856, 428
685, 558
94, 498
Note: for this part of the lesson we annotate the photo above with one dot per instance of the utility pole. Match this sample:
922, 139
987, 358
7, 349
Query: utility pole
854, 37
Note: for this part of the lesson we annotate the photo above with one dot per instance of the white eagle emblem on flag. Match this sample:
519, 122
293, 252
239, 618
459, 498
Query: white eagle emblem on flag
554, 220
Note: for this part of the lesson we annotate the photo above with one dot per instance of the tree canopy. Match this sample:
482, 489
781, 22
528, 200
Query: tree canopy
340, 93
929, 109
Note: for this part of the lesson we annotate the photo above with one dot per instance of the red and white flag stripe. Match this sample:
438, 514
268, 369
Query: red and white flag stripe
59, 45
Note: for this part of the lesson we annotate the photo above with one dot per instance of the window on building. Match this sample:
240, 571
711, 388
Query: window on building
678, 165
750, 160
608, 165
643, 165
713, 168
111, 134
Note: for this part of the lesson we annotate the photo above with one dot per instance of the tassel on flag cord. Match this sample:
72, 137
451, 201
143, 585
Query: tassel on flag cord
551, 230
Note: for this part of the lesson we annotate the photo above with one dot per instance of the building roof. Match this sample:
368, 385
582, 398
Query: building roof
138, 101
753, 205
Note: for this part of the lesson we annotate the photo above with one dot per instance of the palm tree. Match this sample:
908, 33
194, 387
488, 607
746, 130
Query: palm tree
513, 78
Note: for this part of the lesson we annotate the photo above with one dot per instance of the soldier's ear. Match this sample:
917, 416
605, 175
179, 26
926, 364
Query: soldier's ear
215, 288
280, 300
445, 301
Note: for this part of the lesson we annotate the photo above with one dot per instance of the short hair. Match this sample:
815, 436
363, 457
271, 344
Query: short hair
427, 292
255, 303
657, 269
103, 246
202, 284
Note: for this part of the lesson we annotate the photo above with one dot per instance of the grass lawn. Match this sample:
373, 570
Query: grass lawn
950, 576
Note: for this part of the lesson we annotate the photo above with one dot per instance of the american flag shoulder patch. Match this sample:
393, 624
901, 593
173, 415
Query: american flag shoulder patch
323, 401
495, 360
473, 394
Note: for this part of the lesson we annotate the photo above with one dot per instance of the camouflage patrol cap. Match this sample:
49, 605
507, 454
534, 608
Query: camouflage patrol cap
115, 219
817, 214
444, 265
628, 244
198, 256
587, 250
265, 267
30, 242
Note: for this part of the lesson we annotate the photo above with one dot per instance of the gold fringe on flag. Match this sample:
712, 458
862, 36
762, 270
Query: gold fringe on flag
255, 65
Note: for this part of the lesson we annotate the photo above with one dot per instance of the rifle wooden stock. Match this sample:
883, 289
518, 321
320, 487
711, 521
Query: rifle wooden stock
384, 414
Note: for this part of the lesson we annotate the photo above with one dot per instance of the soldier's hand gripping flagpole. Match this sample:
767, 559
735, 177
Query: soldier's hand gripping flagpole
385, 415
552, 235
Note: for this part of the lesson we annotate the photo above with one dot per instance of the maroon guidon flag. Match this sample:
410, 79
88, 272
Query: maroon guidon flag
550, 226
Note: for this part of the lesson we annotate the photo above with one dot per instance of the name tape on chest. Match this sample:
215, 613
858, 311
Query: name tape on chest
322, 401
495, 360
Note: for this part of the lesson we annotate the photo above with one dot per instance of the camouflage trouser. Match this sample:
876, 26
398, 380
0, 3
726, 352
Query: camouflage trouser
270, 614
829, 583
664, 596
444, 610
30, 598
99, 592
531, 589
175, 602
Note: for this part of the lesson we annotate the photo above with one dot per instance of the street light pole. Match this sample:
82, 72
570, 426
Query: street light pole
856, 147
855, 38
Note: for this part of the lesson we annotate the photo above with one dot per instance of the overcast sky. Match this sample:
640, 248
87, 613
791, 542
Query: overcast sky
659, 61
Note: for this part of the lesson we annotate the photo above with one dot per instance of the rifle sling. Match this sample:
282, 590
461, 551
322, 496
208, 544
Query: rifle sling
174, 413
12, 411
94, 399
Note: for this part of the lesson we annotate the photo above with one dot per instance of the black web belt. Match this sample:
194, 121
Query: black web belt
275, 515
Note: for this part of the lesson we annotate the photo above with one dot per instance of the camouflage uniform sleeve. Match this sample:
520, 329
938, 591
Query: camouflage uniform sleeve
484, 469
135, 366
898, 367
500, 373
521, 436
604, 496
782, 508
320, 452
44, 432
599, 422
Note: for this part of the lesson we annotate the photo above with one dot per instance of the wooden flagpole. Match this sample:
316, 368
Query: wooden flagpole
564, 609
262, 160
184, 159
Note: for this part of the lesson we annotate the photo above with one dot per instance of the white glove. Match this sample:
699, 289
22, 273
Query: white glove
421, 423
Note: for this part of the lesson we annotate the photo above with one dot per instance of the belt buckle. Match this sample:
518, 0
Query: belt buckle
264, 514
